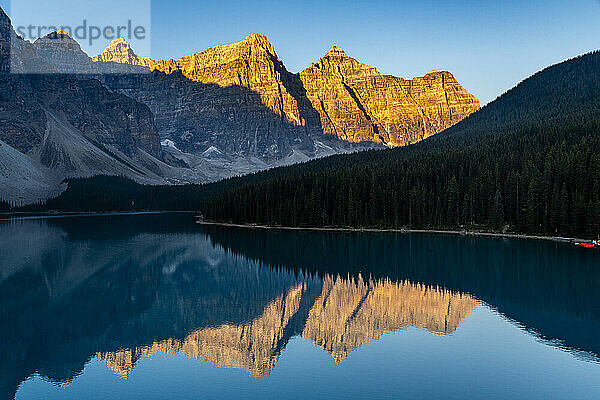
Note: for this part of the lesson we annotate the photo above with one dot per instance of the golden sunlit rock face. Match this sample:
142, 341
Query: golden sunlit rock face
348, 314
251, 63
335, 96
119, 51
358, 103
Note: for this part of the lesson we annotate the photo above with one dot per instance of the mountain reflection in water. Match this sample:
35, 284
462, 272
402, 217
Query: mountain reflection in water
122, 288
346, 315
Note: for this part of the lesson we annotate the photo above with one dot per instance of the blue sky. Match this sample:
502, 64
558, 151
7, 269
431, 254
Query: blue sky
489, 45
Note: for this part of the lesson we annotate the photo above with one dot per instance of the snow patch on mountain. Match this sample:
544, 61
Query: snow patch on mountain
168, 143
211, 152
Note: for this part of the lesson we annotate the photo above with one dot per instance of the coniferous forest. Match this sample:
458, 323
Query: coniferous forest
528, 162
4, 206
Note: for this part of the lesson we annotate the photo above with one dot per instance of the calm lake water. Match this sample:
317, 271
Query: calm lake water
157, 307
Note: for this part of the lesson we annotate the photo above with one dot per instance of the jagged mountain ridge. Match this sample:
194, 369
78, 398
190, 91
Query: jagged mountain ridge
58, 112
356, 102
64, 125
238, 98
337, 96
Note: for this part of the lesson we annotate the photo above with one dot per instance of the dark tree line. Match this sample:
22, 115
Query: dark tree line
528, 162
528, 183
114, 193
4, 206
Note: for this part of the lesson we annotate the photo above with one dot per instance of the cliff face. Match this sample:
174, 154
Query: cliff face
63, 53
245, 101
106, 118
238, 98
357, 103
346, 315
66, 124
251, 63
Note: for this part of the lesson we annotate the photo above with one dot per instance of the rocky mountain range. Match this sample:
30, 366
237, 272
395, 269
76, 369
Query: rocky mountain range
55, 125
229, 110
336, 96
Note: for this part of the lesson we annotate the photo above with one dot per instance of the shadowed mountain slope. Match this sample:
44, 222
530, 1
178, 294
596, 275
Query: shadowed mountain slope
64, 125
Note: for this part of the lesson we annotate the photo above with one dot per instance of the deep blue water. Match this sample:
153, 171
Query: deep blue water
157, 307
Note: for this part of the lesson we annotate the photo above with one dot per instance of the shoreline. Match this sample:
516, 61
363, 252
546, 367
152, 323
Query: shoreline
67, 214
374, 230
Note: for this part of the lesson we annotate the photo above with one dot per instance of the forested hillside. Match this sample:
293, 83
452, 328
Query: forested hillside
528, 162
